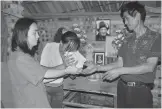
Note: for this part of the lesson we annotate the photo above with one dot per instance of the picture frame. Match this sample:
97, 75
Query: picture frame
99, 58
102, 29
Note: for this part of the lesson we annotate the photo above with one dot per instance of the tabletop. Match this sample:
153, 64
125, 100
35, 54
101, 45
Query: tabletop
85, 85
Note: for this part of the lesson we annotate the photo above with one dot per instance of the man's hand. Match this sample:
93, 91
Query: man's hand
111, 74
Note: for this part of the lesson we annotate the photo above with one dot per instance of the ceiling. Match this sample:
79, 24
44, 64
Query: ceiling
47, 8
71, 6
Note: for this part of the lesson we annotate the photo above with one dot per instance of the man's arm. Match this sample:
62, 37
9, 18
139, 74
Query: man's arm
149, 66
116, 64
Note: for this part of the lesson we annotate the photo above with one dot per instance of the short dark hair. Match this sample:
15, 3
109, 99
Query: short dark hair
131, 7
20, 34
71, 38
57, 37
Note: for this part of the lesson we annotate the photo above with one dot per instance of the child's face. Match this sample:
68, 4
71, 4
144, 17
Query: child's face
70, 47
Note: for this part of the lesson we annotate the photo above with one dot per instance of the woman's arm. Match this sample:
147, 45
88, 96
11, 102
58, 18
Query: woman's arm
59, 67
55, 73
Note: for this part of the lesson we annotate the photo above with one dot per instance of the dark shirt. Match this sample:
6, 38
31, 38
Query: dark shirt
137, 51
100, 38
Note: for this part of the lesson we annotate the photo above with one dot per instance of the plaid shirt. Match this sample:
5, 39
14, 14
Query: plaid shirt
137, 51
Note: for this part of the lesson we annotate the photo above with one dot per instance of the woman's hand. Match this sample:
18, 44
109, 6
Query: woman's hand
72, 70
78, 72
90, 69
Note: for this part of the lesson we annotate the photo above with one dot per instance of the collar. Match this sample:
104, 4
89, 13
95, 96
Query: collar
146, 32
133, 36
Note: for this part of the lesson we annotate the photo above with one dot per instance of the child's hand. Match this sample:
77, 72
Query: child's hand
69, 60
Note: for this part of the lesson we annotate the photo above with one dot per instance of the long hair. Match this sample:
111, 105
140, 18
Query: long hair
72, 40
57, 37
20, 34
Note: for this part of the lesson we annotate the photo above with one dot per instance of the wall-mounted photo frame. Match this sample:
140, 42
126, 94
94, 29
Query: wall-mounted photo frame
99, 58
102, 29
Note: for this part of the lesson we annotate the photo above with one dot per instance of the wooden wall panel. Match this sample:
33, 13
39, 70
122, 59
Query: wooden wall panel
4, 36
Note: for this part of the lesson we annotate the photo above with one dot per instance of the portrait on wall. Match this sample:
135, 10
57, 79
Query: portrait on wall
99, 58
102, 29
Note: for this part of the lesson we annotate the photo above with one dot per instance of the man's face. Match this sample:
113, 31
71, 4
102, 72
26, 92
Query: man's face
103, 31
131, 22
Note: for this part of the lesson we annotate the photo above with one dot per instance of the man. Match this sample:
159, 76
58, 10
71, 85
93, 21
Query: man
102, 32
137, 60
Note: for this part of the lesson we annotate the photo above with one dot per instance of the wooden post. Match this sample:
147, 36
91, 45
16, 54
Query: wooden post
4, 36
115, 101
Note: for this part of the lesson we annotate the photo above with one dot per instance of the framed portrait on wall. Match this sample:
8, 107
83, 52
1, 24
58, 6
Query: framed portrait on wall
102, 29
99, 58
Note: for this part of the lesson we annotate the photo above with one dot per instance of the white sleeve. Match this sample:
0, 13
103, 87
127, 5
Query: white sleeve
81, 60
45, 56
50, 56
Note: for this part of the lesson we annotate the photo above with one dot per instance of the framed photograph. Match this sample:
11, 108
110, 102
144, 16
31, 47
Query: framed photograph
102, 29
99, 58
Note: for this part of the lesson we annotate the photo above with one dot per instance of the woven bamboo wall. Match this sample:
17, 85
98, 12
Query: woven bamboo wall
89, 25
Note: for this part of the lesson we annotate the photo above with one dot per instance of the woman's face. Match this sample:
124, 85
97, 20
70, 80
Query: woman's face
64, 31
103, 31
33, 36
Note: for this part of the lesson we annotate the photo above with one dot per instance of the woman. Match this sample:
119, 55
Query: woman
53, 55
25, 73
59, 33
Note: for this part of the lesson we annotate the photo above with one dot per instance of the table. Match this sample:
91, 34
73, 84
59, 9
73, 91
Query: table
82, 84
